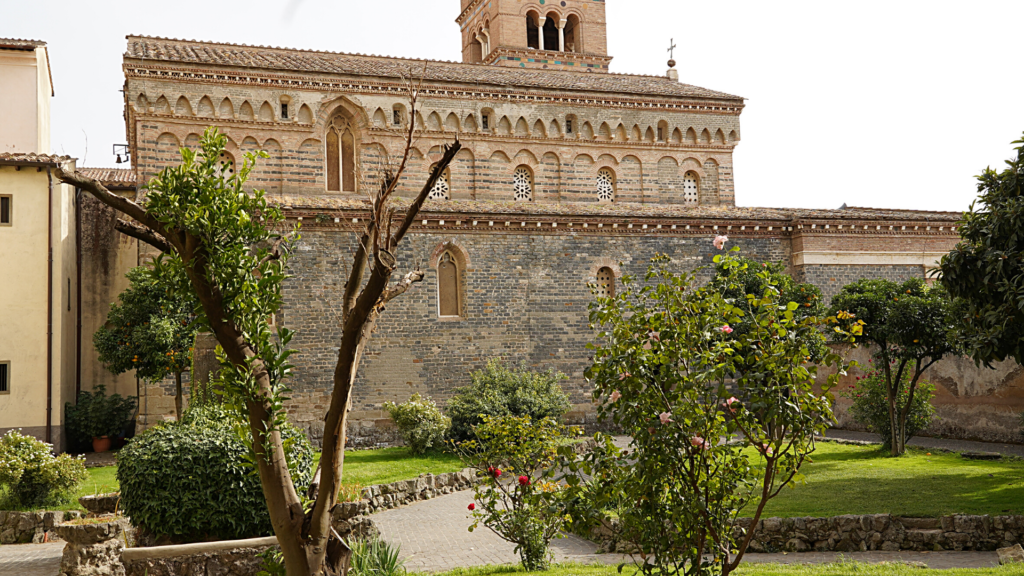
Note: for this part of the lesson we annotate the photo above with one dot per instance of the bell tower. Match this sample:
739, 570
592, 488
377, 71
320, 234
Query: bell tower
553, 35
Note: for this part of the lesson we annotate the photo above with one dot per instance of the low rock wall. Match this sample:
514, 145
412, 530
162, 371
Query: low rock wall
396, 494
853, 533
32, 527
235, 562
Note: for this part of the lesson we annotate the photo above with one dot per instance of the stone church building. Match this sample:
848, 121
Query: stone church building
569, 175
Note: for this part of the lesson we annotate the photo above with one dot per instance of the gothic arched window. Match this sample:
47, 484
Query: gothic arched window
442, 189
605, 185
341, 157
605, 283
690, 185
448, 286
522, 184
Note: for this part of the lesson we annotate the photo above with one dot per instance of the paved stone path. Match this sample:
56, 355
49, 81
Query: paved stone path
434, 537
939, 443
30, 559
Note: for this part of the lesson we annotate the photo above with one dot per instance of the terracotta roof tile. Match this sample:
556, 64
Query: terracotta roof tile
19, 44
111, 177
623, 210
31, 158
208, 53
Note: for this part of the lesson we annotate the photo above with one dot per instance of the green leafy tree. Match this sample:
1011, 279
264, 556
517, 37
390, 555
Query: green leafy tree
151, 331
672, 372
985, 271
227, 246
912, 327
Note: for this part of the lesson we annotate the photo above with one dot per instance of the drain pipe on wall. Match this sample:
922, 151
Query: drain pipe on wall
49, 310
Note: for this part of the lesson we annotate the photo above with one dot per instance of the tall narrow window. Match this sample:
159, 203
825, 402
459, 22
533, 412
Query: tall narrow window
605, 185
485, 120
341, 164
396, 117
284, 111
5, 210
568, 125
690, 188
522, 184
606, 283
5, 377
447, 286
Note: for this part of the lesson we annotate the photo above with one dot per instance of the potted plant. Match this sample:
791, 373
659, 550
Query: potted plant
98, 417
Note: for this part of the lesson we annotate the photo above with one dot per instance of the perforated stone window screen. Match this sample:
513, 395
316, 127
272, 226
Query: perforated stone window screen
226, 165
447, 286
605, 283
441, 189
605, 186
690, 188
522, 184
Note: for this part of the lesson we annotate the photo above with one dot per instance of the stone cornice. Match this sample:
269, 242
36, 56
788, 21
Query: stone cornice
203, 75
500, 51
465, 13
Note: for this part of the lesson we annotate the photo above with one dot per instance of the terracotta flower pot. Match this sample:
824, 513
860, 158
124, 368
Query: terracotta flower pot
101, 443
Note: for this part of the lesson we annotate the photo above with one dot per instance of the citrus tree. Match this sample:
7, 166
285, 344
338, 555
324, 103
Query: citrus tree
912, 327
720, 420
150, 330
985, 271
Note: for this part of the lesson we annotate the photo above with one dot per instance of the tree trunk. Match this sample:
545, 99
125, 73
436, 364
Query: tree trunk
177, 395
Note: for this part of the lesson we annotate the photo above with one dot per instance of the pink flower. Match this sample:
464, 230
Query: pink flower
615, 396
472, 506
624, 375
699, 442
720, 241
654, 336
524, 480
726, 329
647, 345
730, 402
665, 417
765, 449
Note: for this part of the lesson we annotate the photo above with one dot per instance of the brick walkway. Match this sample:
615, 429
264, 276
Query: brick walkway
30, 559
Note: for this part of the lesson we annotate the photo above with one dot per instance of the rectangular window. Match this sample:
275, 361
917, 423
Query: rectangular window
568, 126
661, 134
284, 111
396, 118
486, 122
5, 377
5, 210
69, 294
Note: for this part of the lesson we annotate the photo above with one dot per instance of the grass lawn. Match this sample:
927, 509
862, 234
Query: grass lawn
748, 569
846, 479
99, 481
369, 467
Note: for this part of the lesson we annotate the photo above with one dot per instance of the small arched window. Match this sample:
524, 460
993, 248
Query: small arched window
341, 160
448, 286
605, 185
690, 186
442, 188
533, 32
605, 283
522, 184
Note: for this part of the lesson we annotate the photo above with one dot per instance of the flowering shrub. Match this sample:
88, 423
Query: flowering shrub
518, 461
673, 373
500, 390
871, 404
33, 476
420, 422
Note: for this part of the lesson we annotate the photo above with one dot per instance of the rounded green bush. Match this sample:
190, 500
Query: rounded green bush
420, 422
194, 480
33, 475
499, 390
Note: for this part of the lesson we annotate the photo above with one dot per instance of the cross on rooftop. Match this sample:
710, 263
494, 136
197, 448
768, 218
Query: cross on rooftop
672, 48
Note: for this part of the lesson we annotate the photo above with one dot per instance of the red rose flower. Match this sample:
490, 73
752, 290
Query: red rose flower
497, 472
472, 506
524, 480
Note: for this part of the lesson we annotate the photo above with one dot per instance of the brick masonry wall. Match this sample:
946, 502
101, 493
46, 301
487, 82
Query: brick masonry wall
525, 299
831, 278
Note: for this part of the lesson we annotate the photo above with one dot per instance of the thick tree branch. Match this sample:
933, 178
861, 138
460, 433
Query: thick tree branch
358, 272
119, 203
403, 285
450, 151
143, 234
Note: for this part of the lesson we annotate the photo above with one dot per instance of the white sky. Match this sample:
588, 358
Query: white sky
887, 104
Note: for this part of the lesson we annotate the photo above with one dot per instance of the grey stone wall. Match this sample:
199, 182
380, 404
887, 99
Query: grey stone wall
831, 279
525, 298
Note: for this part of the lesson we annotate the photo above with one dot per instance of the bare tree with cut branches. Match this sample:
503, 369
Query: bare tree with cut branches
225, 245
